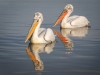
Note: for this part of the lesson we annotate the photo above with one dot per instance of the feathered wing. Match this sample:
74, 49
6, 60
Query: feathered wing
41, 30
46, 34
49, 36
77, 21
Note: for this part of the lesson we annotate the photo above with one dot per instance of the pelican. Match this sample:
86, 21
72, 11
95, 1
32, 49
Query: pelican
37, 34
72, 21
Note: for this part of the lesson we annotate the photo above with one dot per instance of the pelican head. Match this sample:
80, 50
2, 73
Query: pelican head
38, 18
68, 9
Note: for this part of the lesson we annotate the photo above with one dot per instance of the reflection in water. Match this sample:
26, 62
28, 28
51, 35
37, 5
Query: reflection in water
67, 41
34, 50
74, 32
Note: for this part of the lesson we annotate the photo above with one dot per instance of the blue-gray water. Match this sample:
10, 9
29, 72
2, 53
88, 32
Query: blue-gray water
16, 17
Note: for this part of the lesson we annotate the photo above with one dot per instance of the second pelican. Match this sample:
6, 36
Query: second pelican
37, 34
73, 21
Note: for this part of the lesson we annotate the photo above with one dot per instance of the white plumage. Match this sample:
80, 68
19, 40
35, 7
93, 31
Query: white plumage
72, 21
40, 35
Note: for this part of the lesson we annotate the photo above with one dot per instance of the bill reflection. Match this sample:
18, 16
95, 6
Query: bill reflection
34, 50
65, 35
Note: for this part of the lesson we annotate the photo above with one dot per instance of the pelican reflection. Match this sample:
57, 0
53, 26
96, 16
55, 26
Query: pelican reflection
66, 40
67, 33
75, 32
34, 50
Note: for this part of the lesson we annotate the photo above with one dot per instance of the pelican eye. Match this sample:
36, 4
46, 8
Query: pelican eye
68, 7
64, 10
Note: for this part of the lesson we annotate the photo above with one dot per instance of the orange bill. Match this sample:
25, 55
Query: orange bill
63, 14
32, 57
32, 29
62, 38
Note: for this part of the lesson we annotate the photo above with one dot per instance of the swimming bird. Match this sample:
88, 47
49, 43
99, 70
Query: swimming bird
37, 34
72, 21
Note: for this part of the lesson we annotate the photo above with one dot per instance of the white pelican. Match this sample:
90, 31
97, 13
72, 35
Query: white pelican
37, 34
73, 21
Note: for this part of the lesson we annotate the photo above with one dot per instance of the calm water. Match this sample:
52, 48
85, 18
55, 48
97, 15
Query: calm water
16, 17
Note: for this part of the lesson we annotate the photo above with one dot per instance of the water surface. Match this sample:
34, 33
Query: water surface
15, 20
